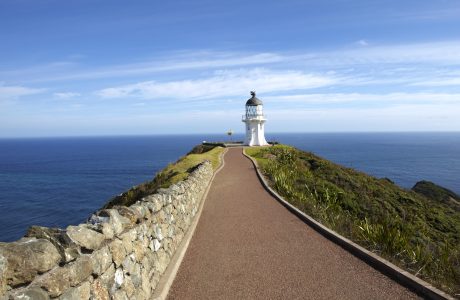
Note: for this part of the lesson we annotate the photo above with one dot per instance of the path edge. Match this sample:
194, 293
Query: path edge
405, 278
165, 283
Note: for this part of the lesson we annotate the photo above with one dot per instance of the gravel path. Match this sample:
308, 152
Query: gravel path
248, 246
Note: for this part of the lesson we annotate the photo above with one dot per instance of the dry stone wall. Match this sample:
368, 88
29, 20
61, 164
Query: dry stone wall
120, 253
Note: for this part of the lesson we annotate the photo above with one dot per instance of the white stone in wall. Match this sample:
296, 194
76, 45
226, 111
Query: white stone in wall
158, 233
119, 278
156, 245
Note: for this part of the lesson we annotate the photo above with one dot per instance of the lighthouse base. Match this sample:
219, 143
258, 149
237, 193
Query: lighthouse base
255, 135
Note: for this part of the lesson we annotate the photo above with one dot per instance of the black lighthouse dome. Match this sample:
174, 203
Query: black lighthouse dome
253, 101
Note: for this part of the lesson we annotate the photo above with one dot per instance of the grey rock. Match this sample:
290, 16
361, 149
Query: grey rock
128, 238
24, 259
145, 283
168, 209
129, 265
139, 210
96, 219
162, 191
99, 290
171, 231
139, 295
33, 293
128, 213
158, 203
77, 293
101, 260
120, 295
162, 261
136, 278
55, 282
58, 280
79, 270
85, 237
107, 278
128, 286
118, 251
169, 199
107, 230
150, 206
3, 274
155, 279
67, 248
139, 250
176, 189
164, 229
117, 221
166, 245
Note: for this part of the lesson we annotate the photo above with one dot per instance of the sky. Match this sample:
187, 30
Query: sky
110, 67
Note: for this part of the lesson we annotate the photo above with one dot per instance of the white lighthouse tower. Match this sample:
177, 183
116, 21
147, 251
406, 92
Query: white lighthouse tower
254, 119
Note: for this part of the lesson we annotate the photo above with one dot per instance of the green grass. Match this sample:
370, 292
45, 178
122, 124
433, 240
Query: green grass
173, 173
419, 234
433, 191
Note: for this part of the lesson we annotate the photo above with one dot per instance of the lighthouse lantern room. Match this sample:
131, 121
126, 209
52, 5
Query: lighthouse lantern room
254, 120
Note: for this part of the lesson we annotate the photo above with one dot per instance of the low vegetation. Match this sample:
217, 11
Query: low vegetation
418, 233
437, 193
171, 174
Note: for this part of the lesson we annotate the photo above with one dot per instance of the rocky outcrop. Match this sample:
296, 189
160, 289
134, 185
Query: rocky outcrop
120, 253
437, 193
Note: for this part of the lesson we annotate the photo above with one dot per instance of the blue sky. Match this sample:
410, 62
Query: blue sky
144, 67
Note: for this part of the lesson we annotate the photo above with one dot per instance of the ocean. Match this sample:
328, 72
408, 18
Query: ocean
60, 181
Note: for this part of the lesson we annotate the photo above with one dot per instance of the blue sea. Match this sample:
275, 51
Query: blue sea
60, 181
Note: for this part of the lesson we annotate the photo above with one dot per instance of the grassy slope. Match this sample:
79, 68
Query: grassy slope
436, 192
171, 174
417, 233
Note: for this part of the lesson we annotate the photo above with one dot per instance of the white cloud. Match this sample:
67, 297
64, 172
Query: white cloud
66, 95
8, 92
443, 53
388, 98
223, 83
162, 63
361, 54
407, 117
439, 82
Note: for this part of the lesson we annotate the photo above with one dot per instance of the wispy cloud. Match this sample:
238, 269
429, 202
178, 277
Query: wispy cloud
223, 83
439, 82
366, 98
361, 54
441, 53
362, 43
8, 92
404, 117
185, 60
66, 95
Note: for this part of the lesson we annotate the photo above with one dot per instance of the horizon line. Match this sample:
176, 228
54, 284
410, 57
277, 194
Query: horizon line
223, 134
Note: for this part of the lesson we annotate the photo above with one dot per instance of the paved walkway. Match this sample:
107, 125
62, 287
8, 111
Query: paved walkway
248, 246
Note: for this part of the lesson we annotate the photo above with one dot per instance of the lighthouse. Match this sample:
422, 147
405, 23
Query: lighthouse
255, 121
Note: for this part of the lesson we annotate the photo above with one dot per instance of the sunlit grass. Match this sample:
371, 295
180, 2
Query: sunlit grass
172, 174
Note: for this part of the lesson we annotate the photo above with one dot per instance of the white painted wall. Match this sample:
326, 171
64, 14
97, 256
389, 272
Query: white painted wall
255, 129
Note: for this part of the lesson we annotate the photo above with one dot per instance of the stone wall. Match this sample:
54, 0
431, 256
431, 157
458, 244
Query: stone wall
120, 253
